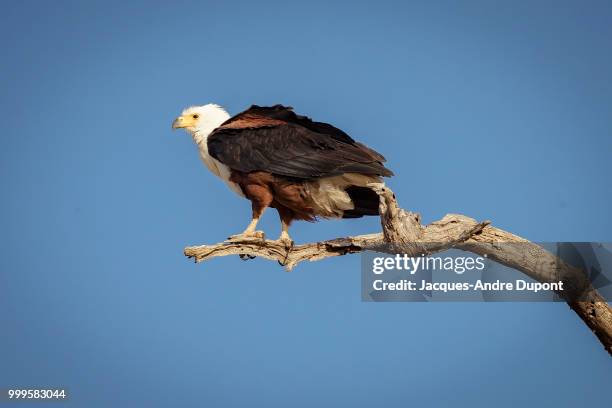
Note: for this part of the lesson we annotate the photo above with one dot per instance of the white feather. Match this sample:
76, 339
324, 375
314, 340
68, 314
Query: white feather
211, 116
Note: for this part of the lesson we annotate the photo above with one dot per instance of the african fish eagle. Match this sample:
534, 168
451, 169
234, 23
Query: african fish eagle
276, 158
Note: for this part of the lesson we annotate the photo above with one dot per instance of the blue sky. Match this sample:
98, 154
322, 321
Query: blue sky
497, 111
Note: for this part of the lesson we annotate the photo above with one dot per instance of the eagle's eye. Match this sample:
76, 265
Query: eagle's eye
196, 116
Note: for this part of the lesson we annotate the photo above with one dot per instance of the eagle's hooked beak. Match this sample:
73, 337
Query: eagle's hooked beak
178, 123
189, 122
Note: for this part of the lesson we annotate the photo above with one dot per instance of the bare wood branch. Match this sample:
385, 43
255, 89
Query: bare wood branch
403, 233
288, 257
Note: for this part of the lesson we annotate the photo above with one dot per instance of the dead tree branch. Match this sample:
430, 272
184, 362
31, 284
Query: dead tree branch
403, 233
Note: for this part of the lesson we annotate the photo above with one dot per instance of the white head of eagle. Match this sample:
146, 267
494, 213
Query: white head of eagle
276, 158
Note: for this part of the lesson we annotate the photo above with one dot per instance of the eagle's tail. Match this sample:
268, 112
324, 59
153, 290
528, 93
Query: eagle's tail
348, 195
365, 201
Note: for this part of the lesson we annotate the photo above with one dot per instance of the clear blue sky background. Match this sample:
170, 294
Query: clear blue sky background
499, 110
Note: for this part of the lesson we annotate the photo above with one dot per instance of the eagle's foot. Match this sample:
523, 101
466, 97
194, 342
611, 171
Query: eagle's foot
284, 240
258, 235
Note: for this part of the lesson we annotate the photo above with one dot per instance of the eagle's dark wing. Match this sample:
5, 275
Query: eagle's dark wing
278, 141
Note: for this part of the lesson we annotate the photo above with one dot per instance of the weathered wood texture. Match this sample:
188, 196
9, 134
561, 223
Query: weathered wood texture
403, 233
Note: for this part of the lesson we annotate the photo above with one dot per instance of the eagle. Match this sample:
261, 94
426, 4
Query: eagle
272, 156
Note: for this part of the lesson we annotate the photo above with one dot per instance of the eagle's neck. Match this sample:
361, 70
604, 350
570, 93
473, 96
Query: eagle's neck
208, 122
200, 137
